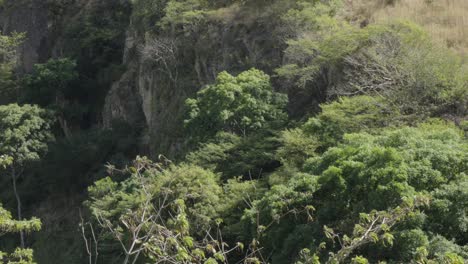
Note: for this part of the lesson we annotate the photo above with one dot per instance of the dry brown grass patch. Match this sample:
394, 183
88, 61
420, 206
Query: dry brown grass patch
446, 20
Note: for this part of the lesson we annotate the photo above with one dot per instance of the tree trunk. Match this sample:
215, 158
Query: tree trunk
60, 101
64, 126
127, 258
18, 202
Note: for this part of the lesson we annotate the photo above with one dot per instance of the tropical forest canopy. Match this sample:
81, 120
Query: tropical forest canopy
266, 131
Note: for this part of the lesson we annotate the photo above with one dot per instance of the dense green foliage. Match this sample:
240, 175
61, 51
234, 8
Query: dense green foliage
295, 137
8, 56
8, 225
238, 105
25, 132
49, 82
336, 189
383, 60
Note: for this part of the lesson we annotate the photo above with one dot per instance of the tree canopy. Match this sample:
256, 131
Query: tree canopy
233, 131
24, 132
8, 59
238, 104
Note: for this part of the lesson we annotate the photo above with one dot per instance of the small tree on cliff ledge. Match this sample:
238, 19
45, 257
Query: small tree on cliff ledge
239, 105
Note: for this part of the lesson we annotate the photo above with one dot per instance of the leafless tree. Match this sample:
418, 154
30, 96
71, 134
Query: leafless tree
163, 53
91, 244
371, 71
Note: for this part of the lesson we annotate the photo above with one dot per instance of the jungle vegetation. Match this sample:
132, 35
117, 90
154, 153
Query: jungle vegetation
317, 140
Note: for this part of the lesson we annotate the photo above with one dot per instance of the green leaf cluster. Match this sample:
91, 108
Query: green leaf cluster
8, 225
24, 132
239, 105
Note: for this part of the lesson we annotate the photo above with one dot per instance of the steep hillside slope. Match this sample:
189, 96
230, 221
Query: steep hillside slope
169, 58
35, 48
337, 120
445, 20
192, 49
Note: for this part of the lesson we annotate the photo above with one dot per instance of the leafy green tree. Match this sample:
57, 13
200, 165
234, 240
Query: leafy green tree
233, 155
239, 105
197, 187
49, 83
341, 187
440, 246
25, 132
451, 198
183, 13
350, 115
8, 225
375, 227
281, 220
297, 146
390, 165
395, 60
394, 165
366, 172
422, 256
320, 40
162, 213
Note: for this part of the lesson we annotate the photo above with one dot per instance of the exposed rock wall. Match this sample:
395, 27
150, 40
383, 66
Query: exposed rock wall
33, 20
145, 96
44, 25
228, 45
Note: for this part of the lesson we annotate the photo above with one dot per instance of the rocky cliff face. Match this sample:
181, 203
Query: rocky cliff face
166, 67
162, 67
44, 24
129, 99
143, 98
32, 19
